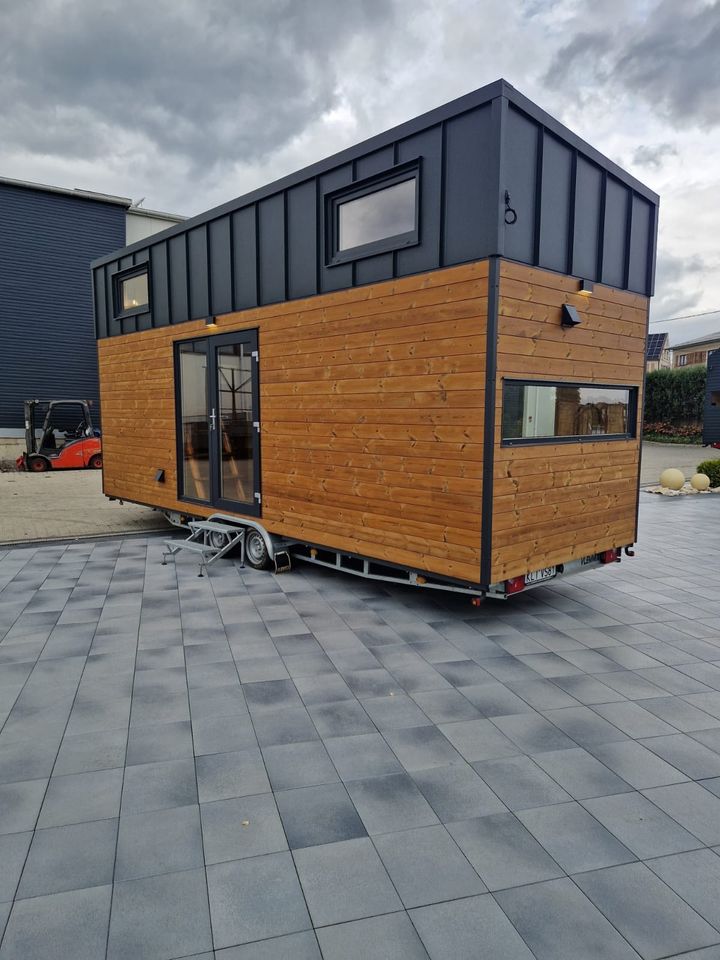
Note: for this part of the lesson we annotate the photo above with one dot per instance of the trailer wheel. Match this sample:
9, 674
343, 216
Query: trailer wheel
95, 462
38, 464
256, 551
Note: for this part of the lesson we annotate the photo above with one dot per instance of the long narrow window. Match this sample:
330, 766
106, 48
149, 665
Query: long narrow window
195, 451
535, 411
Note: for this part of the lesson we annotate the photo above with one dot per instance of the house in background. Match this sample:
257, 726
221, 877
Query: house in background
658, 355
695, 351
48, 238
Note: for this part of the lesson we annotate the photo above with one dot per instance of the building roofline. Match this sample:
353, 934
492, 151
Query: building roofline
698, 342
470, 101
68, 192
161, 214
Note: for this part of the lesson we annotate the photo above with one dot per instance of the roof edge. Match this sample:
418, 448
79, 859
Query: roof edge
68, 191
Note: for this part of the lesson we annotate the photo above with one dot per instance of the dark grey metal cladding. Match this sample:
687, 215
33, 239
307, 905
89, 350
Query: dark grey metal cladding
711, 414
576, 211
47, 342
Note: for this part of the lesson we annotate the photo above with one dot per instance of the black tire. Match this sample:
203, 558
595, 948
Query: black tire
256, 551
38, 464
95, 462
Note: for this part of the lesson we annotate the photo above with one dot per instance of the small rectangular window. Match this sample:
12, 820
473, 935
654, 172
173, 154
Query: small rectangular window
132, 292
682, 360
374, 217
536, 412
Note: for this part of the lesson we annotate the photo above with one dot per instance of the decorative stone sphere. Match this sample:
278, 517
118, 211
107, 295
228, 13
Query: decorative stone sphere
700, 481
672, 479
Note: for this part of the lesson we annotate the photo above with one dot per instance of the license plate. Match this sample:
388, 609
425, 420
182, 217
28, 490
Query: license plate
547, 573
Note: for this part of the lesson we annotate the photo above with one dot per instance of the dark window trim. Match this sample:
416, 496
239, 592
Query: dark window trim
118, 278
363, 188
594, 438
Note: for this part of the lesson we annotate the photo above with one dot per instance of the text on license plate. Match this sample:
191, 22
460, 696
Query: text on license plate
547, 573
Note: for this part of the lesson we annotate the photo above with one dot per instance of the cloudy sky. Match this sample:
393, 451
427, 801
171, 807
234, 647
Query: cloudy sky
189, 103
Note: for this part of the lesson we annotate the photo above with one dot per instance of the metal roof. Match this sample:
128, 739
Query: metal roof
656, 343
66, 191
707, 338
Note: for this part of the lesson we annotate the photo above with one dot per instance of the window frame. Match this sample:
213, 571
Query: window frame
631, 434
682, 360
364, 188
118, 278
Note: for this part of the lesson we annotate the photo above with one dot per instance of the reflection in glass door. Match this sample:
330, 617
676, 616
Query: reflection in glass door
218, 421
235, 434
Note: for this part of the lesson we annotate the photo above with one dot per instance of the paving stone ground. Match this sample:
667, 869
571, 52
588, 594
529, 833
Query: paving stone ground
252, 767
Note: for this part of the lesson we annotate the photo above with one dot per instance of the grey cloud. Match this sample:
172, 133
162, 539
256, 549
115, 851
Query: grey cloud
670, 58
653, 155
204, 81
674, 276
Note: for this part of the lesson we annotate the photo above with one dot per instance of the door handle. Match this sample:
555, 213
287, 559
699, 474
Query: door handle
212, 419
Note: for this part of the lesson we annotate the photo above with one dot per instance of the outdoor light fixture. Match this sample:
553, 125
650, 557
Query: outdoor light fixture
570, 317
586, 286
210, 322
160, 476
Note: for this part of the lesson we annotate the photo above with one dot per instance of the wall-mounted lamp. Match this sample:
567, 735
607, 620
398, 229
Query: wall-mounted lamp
160, 476
586, 286
210, 322
569, 316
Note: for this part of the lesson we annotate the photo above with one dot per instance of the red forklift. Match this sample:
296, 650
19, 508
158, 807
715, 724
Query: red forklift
67, 438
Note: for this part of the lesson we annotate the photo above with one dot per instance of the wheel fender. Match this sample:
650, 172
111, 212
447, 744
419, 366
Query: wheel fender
225, 518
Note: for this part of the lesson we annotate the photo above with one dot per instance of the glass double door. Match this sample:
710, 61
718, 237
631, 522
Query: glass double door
218, 421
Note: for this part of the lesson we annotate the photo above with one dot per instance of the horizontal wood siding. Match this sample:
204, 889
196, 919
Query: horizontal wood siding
557, 502
371, 405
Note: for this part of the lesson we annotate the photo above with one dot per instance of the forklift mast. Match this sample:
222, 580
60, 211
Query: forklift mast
31, 409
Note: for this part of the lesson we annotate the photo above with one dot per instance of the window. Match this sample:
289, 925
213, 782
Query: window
378, 216
537, 412
682, 360
131, 292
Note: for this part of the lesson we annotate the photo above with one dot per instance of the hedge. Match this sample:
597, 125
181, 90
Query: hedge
675, 396
711, 469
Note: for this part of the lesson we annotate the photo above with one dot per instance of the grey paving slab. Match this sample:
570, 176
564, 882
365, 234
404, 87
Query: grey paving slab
533, 733
502, 851
694, 807
426, 866
222, 734
159, 841
637, 765
78, 797
458, 930
255, 899
99, 750
345, 881
584, 726
574, 838
28, 760
457, 792
520, 783
631, 718
70, 924
239, 828
681, 715
20, 803
646, 912
580, 774
291, 725
392, 937
159, 786
494, 700
299, 765
295, 946
160, 918
221, 776
69, 858
343, 718
419, 748
690, 757
479, 740
558, 922
13, 850
695, 877
366, 755
640, 825
390, 803
397, 711
319, 814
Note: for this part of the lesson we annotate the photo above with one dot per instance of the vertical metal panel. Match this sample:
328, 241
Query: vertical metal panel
177, 266
302, 240
377, 162
244, 258
588, 189
199, 291
470, 197
381, 267
100, 304
340, 276
428, 147
519, 179
143, 321
557, 164
220, 265
614, 233
640, 241
113, 324
271, 248
159, 281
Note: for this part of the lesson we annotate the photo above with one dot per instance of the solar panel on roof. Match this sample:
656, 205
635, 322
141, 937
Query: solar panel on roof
655, 345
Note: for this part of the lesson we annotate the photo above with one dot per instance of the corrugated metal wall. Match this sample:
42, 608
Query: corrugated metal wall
577, 213
711, 415
47, 336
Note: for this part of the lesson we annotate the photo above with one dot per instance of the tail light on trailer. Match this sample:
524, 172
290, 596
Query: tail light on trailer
610, 556
514, 585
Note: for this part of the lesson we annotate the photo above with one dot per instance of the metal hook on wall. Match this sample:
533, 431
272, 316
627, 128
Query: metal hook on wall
510, 214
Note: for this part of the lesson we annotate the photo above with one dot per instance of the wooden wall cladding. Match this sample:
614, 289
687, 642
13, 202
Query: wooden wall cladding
371, 407
557, 502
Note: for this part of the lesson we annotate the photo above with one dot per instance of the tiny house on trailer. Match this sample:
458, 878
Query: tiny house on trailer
421, 359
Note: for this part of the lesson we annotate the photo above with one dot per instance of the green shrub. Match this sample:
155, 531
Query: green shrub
675, 396
711, 469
